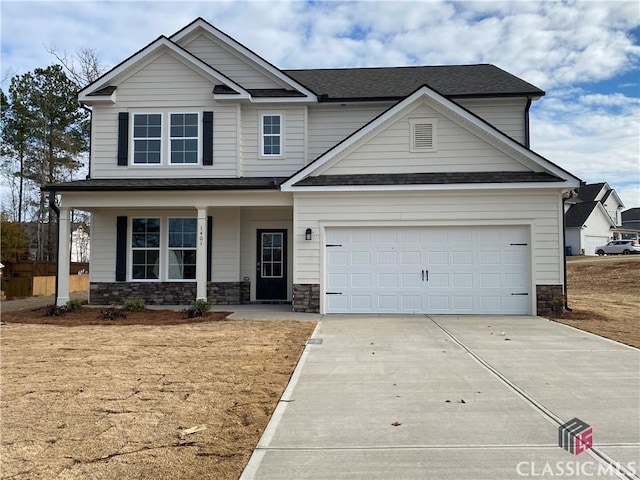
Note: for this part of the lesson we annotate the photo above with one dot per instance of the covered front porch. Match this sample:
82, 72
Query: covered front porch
173, 247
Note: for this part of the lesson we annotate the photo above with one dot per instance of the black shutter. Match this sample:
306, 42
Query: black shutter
121, 249
209, 244
207, 138
123, 139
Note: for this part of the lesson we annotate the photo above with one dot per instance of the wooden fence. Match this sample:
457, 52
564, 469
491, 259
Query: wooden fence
28, 287
37, 268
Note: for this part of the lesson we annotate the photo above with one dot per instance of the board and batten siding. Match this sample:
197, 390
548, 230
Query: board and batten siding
540, 210
506, 114
293, 158
151, 90
222, 59
457, 150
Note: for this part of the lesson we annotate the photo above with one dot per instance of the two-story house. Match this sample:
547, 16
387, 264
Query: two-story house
215, 175
592, 218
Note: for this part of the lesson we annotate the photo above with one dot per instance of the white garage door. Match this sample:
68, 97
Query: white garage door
593, 241
475, 270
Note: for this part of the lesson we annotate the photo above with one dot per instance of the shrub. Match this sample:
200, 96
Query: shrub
54, 310
558, 305
74, 304
199, 308
134, 304
112, 314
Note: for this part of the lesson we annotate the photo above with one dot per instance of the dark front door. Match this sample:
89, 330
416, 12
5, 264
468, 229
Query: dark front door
271, 269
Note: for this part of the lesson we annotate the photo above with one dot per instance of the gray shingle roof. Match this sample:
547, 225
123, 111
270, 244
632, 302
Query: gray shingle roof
155, 184
578, 213
398, 82
587, 193
428, 178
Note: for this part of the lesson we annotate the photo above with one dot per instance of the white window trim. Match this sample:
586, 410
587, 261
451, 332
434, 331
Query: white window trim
133, 138
165, 141
434, 129
261, 153
168, 249
130, 249
198, 138
163, 257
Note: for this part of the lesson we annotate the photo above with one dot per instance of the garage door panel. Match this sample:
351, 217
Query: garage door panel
439, 303
438, 280
429, 270
462, 280
387, 258
463, 303
388, 280
387, 303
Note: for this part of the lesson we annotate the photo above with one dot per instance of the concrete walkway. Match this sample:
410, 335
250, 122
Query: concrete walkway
30, 303
452, 398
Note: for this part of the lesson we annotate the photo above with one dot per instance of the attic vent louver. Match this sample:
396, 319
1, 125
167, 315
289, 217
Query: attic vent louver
423, 135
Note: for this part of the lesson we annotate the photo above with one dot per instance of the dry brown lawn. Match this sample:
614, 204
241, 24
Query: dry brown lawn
604, 294
116, 401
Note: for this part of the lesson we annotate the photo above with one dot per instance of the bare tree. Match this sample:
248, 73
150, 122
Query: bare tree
82, 68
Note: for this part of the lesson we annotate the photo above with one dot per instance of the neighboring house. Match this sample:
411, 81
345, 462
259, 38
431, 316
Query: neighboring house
631, 219
216, 175
592, 218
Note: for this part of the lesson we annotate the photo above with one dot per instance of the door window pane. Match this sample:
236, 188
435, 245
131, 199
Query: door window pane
271, 261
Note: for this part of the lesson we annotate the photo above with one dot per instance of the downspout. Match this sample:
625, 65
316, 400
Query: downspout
54, 207
526, 123
565, 197
84, 107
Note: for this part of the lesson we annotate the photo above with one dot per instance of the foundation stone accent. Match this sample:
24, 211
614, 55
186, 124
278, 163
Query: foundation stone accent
228, 293
548, 298
153, 293
306, 297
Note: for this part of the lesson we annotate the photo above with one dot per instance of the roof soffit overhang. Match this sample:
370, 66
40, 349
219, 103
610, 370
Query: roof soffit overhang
449, 109
139, 59
201, 26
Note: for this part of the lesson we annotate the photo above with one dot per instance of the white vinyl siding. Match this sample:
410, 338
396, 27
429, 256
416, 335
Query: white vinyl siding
458, 150
237, 69
103, 246
225, 261
105, 136
523, 207
330, 124
254, 164
506, 114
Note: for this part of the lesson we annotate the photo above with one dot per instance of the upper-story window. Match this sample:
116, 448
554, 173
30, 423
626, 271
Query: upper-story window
176, 145
271, 138
147, 138
184, 138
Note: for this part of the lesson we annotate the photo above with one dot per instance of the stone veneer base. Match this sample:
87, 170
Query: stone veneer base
168, 293
306, 297
548, 298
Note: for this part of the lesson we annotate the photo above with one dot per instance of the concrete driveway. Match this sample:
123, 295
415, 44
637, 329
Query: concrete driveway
448, 397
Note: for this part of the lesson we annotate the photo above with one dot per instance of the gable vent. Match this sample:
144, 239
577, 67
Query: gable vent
423, 133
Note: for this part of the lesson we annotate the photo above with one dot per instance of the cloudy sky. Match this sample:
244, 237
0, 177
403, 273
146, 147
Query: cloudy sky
584, 54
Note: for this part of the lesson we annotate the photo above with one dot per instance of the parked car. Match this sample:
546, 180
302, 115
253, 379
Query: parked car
617, 247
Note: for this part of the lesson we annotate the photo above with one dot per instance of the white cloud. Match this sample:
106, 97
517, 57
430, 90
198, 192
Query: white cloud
557, 46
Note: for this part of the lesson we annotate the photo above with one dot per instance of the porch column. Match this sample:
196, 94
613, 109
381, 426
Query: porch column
201, 255
64, 235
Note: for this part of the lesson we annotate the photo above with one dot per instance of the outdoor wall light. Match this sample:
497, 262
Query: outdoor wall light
307, 234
